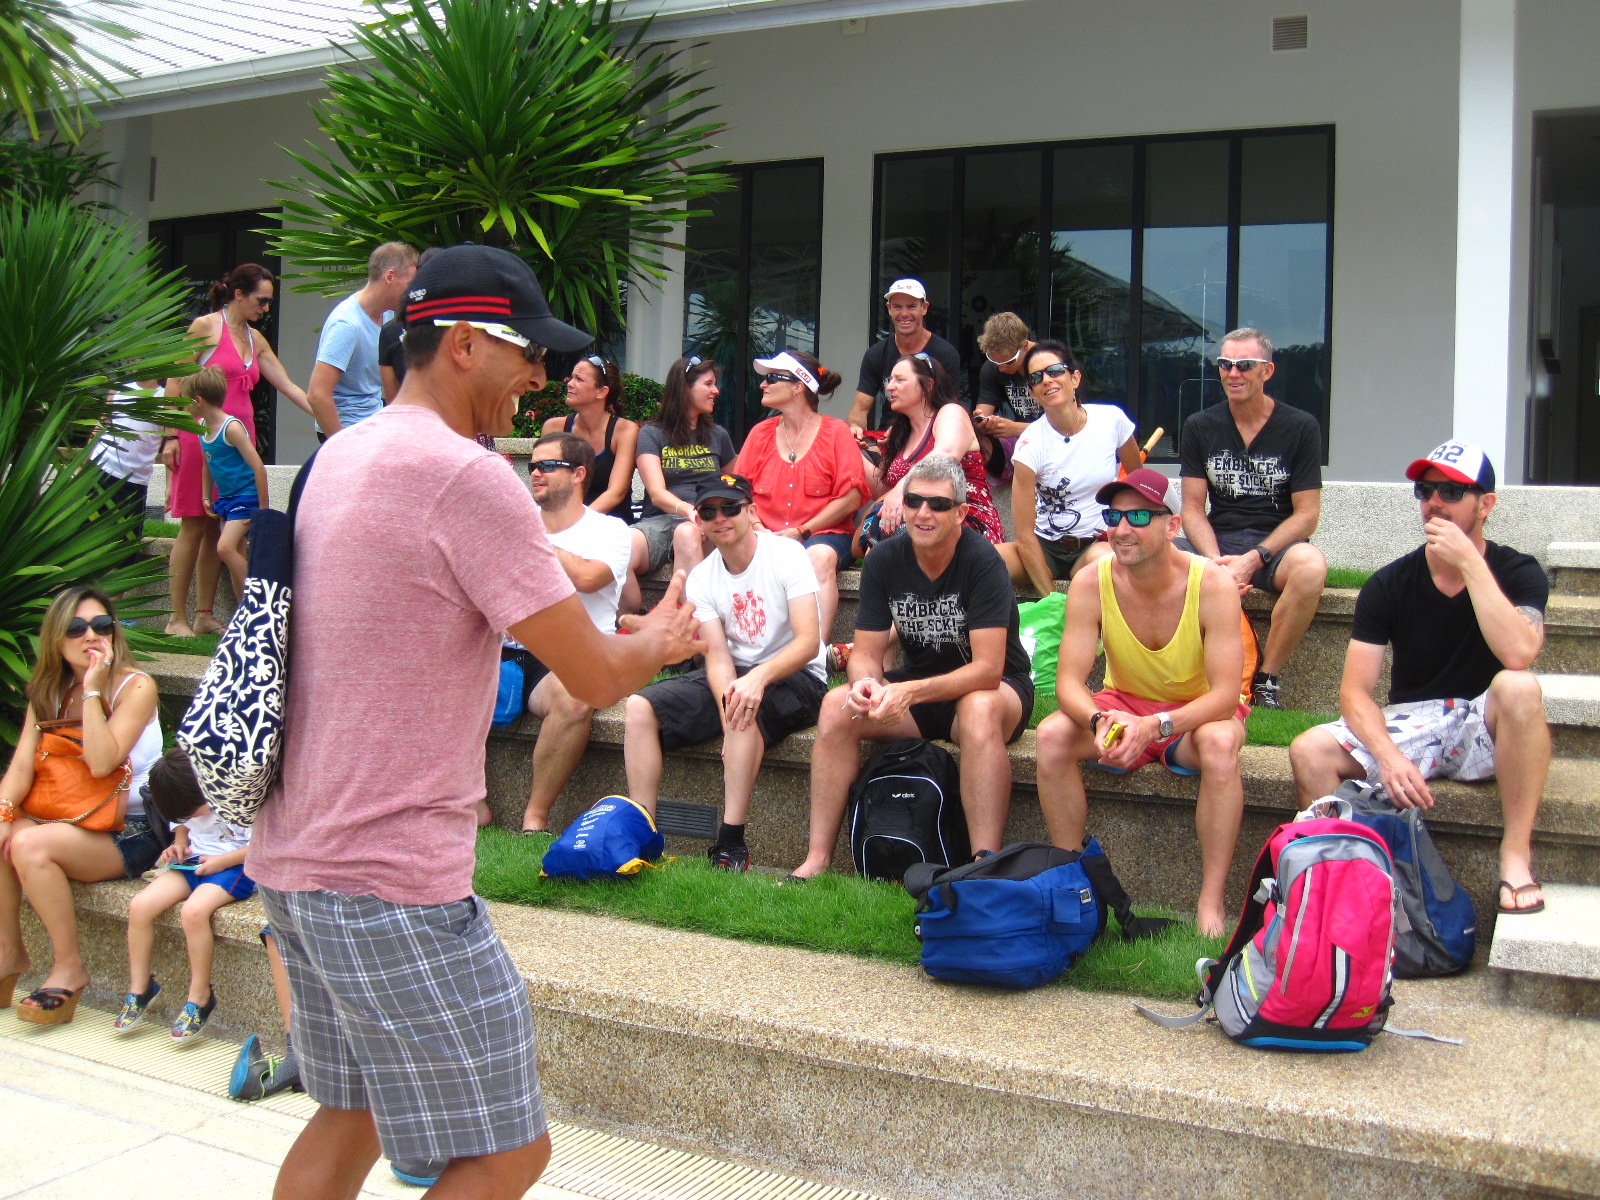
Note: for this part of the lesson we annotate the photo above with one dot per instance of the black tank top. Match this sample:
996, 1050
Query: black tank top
597, 483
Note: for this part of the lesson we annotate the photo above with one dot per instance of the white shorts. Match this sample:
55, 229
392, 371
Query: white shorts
1446, 739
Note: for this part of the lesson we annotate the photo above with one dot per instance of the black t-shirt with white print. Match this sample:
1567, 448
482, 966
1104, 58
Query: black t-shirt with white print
934, 617
1251, 489
1001, 391
1439, 649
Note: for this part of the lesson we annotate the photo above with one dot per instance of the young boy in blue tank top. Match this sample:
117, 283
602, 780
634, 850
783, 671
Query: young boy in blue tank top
232, 467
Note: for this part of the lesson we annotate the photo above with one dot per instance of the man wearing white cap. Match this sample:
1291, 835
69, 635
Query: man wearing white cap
907, 302
1466, 620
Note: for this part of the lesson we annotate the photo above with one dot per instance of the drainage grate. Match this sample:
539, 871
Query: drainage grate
686, 820
1291, 33
584, 1164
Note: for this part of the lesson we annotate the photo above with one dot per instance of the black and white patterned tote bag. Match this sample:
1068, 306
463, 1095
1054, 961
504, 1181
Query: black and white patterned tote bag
233, 730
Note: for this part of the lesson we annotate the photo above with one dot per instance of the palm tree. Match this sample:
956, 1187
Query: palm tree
46, 70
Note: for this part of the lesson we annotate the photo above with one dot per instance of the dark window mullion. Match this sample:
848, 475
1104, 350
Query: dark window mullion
1136, 298
1235, 173
958, 230
1326, 415
740, 369
1043, 303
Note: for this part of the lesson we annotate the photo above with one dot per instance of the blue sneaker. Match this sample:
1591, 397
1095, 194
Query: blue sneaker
134, 1006
422, 1172
257, 1074
192, 1019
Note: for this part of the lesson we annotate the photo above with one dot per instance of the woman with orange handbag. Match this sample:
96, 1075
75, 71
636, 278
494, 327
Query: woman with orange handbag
70, 804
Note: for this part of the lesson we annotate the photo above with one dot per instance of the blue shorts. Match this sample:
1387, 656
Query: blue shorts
839, 543
235, 508
232, 880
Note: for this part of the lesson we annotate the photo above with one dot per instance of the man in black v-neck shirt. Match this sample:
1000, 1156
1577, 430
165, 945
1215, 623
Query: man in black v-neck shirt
965, 675
1466, 620
1259, 463
907, 303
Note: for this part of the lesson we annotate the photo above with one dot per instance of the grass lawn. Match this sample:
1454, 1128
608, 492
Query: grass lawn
838, 914
160, 529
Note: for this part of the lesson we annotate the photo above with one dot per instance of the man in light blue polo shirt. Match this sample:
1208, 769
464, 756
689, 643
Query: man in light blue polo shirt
345, 384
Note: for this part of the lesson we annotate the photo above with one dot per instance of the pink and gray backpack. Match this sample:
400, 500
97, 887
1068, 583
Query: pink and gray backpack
1310, 963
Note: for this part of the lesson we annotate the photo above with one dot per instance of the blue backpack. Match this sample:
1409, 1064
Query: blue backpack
1444, 924
615, 837
1019, 917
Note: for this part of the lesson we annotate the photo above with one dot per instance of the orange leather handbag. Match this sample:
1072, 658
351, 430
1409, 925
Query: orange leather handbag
65, 792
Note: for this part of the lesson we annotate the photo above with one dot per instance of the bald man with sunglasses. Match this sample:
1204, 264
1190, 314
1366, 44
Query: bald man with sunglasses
1169, 621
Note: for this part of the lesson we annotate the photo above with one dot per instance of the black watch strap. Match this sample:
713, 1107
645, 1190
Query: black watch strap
1266, 555
1094, 721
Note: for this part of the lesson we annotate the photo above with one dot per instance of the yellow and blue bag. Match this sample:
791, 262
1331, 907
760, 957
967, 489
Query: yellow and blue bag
615, 837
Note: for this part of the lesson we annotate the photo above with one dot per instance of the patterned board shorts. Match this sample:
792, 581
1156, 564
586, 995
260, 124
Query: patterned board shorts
1446, 739
416, 1012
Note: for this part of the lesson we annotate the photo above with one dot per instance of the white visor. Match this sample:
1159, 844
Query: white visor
788, 362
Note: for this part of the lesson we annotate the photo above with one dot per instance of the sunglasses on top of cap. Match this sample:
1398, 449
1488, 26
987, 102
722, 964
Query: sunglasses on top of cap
1448, 489
505, 333
102, 625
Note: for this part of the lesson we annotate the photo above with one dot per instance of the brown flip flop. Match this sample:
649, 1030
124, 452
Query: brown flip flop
1517, 891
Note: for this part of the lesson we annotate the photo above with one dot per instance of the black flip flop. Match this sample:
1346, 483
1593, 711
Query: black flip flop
1517, 891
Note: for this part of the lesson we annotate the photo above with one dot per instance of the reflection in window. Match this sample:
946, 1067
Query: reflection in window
753, 279
1156, 247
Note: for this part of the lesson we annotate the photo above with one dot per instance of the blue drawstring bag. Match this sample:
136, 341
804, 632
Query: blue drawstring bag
508, 702
615, 837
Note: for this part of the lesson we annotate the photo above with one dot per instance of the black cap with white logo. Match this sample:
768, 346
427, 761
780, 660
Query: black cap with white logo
487, 285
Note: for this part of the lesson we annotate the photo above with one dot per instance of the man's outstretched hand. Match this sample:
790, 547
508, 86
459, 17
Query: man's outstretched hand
670, 627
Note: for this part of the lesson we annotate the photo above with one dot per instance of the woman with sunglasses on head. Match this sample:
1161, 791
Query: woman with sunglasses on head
1061, 460
678, 451
1001, 385
805, 469
85, 676
928, 419
594, 393
229, 343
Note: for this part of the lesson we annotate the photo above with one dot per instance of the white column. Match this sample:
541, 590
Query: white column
655, 319
1488, 354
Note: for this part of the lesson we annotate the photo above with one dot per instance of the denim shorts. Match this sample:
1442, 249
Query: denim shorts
839, 543
139, 846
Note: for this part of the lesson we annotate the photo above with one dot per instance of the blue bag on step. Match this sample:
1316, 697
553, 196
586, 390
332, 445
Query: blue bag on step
615, 837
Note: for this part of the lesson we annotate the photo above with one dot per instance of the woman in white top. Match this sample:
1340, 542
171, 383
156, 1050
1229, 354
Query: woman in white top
84, 672
1061, 460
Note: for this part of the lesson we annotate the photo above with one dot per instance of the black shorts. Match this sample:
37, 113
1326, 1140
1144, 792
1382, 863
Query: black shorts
935, 718
1242, 541
688, 715
1060, 556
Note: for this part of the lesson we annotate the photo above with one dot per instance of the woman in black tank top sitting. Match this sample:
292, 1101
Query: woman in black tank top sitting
594, 393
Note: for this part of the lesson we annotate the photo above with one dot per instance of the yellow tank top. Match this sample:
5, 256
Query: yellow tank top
1177, 671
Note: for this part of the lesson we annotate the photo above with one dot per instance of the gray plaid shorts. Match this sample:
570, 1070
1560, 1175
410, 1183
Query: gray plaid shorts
1444, 738
415, 1012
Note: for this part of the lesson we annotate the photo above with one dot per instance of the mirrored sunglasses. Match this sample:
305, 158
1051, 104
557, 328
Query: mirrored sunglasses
1054, 371
1243, 365
1137, 517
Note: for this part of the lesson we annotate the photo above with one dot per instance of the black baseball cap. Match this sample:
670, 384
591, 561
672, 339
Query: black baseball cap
724, 487
491, 286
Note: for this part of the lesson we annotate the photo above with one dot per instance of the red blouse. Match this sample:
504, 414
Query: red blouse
790, 495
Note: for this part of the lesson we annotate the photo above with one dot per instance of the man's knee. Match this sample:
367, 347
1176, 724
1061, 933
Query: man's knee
686, 536
833, 719
1303, 568
565, 704
1062, 740
1216, 746
1517, 693
980, 717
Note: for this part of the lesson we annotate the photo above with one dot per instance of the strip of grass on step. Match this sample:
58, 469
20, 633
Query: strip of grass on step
1346, 577
160, 529
200, 643
1279, 727
839, 914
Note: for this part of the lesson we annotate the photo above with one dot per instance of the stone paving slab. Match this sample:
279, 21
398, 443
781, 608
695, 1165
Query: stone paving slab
1563, 940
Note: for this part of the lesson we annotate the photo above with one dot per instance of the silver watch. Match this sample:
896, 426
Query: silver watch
1164, 724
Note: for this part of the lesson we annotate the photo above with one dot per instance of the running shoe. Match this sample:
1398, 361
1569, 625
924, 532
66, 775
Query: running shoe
134, 1006
729, 858
257, 1075
422, 1172
193, 1019
1265, 693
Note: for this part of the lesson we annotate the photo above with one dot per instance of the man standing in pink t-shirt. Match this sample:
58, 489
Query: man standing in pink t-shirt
414, 549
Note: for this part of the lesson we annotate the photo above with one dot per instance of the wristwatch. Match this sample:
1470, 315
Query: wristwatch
1164, 724
1266, 555
1094, 721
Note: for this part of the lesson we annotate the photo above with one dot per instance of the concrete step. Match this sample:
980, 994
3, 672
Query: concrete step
1554, 955
1575, 568
871, 1075
1145, 820
1572, 706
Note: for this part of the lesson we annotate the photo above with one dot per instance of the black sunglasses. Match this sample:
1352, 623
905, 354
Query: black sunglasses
778, 377
710, 511
1054, 370
102, 625
1137, 517
264, 301
914, 501
546, 465
1449, 491
1224, 365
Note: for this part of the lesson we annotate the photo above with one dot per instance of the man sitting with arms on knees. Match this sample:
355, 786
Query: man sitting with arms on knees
1466, 620
1260, 463
593, 549
1174, 658
755, 597
944, 590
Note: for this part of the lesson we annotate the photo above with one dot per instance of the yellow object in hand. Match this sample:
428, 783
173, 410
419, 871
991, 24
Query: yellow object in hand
1113, 736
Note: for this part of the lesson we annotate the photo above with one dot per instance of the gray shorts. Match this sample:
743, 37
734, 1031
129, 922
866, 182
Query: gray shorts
1445, 739
658, 530
415, 1012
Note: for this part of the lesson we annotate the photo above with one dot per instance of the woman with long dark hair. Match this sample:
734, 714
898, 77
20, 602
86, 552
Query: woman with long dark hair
229, 343
594, 393
84, 675
928, 419
678, 451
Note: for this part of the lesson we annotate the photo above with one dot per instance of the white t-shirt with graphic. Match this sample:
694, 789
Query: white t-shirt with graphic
210, 834
604, 538
753, 606
1070, 470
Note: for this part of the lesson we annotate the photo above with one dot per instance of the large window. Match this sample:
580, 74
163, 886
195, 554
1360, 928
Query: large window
1140, 253
753, 278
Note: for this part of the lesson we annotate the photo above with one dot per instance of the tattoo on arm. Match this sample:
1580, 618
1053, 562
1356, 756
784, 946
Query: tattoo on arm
1531, 615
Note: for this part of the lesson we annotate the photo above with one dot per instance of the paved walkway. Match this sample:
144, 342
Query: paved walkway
89, 1115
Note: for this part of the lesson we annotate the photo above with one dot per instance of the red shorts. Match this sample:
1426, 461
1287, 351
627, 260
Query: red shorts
1158, 749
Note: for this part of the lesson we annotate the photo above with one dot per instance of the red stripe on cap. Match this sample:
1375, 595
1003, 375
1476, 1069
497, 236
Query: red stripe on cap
498, 306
